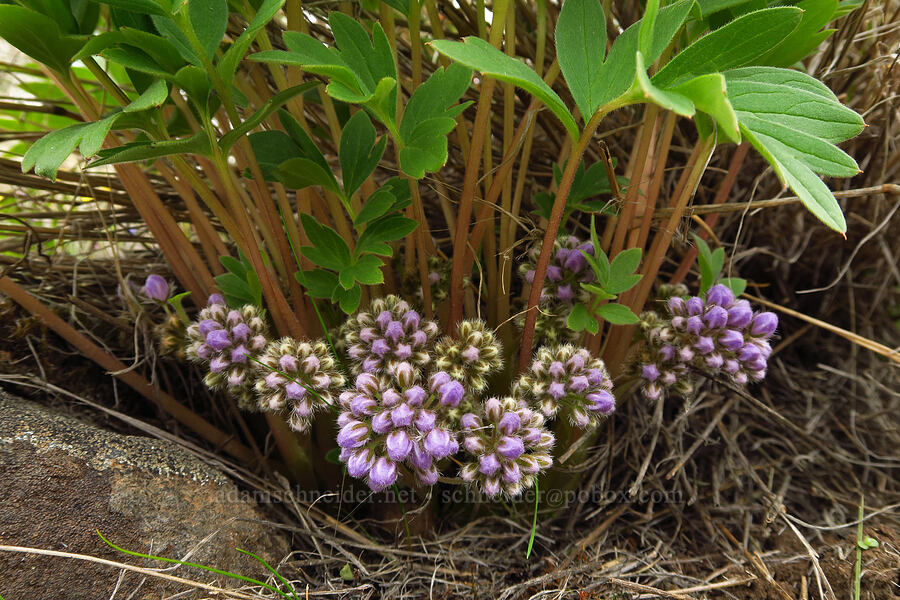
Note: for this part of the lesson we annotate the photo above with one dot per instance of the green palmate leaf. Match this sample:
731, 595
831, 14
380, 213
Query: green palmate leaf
152, 49
136, 60
802, 102
621, 271
580, 48
382, 103
329, 249
236, 290
59, 11
371, 60
299, 173
303, 141
319, 283
426, 147
317, 58
580, 319
793, 121
617, 314
806, 37
168, 29
735, 45
847, 6
387, 229
708, 7
597, 291
366, 270
196, 144
196, 84
38, 36
272, 148
348, 300
94, 134
232, 57
643, 90
359, 154
376, 206
710, 95
400, 5
147, 7
647, 30
48, 153
239, 268
478, 54
618, 71
430, 104
153, 96
270, 106
208, 18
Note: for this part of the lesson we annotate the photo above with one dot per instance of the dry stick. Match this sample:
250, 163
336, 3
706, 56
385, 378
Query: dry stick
657, 426
160, 575
559, 204
702, 439
757, 563
727, 184
167, 403
886, 188
890, 354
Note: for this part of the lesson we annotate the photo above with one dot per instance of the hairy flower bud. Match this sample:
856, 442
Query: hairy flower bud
227, 342
567, 377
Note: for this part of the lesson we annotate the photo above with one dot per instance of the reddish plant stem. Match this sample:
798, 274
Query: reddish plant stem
632, 196
724, 191
559, 204
646, 215
467, 197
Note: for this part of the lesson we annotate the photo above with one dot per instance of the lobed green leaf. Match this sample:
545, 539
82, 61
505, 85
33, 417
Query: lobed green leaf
478, 54
737, 44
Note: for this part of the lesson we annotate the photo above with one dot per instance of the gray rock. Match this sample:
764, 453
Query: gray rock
62, 480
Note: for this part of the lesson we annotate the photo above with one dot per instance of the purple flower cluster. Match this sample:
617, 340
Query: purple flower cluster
227, 341
566, 270
568, 376
718, 334
297, 377
509, 446
388, 333
391, 421
474, 354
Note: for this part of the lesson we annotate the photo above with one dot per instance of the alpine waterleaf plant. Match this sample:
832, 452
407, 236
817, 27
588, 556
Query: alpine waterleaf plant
302, 170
